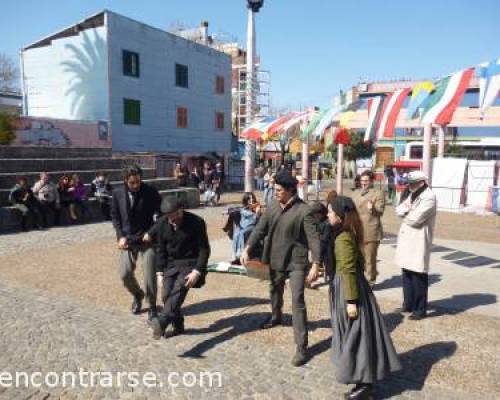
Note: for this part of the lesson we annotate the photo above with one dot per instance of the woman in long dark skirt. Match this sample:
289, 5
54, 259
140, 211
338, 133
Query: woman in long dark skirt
363, 352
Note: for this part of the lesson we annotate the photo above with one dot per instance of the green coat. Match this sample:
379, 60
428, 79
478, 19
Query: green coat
289, 236
347, 258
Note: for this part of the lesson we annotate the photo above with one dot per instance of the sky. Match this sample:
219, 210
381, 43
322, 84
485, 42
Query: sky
313, 48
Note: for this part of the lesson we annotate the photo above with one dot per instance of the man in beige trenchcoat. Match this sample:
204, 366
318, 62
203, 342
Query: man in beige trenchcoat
370, 203
418, 209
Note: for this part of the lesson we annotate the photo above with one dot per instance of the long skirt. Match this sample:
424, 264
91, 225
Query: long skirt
362, 349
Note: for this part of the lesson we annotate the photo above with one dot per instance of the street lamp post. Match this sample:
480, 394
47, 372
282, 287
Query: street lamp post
253, 7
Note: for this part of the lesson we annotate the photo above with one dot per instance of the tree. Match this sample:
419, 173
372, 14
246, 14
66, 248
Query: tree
6, 128
357, 149
9, 73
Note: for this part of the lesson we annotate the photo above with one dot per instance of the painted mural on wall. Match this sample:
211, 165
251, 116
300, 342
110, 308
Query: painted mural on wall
61, 133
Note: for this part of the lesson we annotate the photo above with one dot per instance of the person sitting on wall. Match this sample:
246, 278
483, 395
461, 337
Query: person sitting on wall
48, 196
22, 198
79, 193
102, 190
195, 178
66, 198
180, 174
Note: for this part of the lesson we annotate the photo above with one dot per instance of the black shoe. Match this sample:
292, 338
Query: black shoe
416, 316
158, 329
360, 392
137, 304
177, 329
300, 357
271, 323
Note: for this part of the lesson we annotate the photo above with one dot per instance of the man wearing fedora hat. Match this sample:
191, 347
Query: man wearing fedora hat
418, 210
182, 252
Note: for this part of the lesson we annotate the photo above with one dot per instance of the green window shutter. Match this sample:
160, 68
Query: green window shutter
131, 112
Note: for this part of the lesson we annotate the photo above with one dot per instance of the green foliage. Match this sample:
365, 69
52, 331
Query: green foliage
6, 128
356, 150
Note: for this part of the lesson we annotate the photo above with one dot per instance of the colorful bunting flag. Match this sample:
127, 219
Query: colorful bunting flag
390, 111
374, 111
419, 94
448, 94
489, 84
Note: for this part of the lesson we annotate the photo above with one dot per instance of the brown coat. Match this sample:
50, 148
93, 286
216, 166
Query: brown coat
371, 219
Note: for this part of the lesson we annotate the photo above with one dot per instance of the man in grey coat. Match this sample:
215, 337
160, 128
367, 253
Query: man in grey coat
289, 228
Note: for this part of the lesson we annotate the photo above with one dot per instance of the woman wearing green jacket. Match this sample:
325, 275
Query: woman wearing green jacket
362, 349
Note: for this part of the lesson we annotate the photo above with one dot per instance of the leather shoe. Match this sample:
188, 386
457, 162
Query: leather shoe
271, 323
137, 304
416, 317
177, 329
300, 357
360, 392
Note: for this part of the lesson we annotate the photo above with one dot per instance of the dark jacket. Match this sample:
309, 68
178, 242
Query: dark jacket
290, 234
187, 247
17, 194
136, 220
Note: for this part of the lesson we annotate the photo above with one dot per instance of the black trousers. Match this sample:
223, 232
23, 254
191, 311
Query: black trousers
47, 207
415, 289
299, 311
174, 292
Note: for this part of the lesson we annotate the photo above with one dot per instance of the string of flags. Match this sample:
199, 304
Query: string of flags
431, 102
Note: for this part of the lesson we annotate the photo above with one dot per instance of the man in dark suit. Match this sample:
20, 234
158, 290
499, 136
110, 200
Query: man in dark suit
290, 231
182, 252
133, 209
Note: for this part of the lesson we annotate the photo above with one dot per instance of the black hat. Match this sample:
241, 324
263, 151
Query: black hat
341, 205
283, 178
170, 205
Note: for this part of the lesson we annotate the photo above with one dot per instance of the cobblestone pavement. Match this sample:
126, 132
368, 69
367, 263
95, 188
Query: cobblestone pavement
56, 335
63, 308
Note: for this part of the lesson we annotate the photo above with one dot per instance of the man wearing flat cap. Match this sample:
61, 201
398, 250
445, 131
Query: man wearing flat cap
418, 210
182, 252
289, 229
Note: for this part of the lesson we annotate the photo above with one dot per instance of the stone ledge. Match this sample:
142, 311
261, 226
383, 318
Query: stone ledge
10, 217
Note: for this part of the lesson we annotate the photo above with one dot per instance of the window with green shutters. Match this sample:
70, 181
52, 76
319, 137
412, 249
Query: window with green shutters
181, 76
130, 63
131, 112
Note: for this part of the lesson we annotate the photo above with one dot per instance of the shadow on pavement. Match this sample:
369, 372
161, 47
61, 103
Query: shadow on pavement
396, 281
417, 364
460, 303
233, 326
222, 304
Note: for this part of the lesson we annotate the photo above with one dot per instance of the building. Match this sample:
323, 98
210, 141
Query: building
465, 127
230, 46
159, 92
11, 102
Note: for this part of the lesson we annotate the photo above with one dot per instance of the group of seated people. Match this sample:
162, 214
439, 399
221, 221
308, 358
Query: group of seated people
70, 193
208, 180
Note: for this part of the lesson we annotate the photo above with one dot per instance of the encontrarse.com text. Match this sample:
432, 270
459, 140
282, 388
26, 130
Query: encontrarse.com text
89, 379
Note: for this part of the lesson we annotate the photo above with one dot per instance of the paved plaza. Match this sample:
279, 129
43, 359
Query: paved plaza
63, 309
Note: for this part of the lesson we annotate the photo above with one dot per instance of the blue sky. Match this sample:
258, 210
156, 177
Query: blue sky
312, 47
